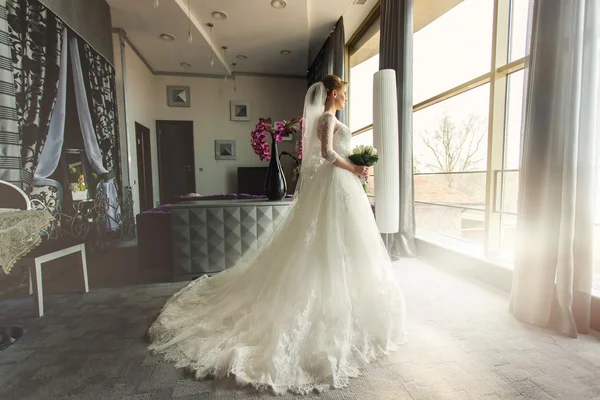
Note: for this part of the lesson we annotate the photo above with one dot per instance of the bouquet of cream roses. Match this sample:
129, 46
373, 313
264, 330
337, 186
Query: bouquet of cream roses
364, 155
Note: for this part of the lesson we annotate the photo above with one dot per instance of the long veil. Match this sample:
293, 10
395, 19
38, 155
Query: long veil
314, 105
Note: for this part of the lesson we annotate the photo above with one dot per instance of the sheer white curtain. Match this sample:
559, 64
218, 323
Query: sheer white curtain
90, 141
113, 210
92, 150
53, 146
56, 130
554, 261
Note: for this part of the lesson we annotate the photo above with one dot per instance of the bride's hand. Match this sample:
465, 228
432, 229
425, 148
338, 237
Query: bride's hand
361, 170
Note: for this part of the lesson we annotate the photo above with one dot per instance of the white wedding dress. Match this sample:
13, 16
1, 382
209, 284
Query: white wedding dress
306, 311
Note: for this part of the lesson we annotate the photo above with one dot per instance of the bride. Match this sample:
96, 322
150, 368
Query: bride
317, 301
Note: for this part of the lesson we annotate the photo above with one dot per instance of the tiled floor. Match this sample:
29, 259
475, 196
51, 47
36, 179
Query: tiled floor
463, 345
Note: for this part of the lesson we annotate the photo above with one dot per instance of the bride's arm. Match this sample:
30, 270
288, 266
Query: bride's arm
325, 133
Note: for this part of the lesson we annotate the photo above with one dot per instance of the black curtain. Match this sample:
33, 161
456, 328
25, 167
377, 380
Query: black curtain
102, 100
331, 60
35, 37
396, 52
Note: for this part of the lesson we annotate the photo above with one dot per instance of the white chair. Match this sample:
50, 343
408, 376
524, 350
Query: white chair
13, 197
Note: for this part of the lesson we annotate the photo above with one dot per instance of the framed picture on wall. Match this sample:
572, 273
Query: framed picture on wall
239, 110
178, 96
225, 150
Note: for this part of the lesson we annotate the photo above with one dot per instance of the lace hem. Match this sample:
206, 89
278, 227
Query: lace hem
298, 362
233, 364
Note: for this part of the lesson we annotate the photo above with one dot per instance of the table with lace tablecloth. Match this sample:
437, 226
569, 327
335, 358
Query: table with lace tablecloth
19, 234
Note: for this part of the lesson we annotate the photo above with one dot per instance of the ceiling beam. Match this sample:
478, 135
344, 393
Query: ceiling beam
216, 49
122, 33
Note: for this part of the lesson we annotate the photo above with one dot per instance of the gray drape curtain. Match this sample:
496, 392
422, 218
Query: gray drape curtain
554, 259
50, 156
10, 140
396, 52
331, 60
35, 38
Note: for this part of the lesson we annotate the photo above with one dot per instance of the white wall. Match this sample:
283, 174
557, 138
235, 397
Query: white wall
278, 98
275, 97
141, 105
139, 92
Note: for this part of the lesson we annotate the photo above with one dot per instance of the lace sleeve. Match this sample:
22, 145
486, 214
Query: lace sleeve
325, 133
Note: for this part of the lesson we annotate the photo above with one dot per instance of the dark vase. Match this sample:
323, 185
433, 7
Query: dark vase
275, 184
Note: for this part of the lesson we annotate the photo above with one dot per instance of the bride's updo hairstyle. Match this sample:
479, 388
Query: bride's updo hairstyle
333, 82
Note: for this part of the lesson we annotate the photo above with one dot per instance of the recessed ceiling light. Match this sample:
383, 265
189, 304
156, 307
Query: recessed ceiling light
185, 65
241, 57
279, 4
167, 36
285, 52
220, 15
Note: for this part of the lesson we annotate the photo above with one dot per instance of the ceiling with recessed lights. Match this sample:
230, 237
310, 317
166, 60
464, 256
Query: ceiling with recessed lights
261, 36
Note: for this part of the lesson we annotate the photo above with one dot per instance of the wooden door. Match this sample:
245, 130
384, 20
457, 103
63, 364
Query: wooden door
144, 164
175, 159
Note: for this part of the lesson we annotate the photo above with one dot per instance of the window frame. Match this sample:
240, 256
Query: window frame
368, 22
500, 69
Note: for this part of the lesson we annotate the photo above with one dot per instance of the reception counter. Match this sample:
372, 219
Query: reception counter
211, 236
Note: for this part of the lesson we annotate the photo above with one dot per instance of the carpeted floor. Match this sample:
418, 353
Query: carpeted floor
463, 344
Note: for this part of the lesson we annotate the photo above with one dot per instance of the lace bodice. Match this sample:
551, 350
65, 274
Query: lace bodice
335, 137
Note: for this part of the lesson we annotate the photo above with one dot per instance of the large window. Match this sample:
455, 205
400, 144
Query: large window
468, 69
364, 62
468, 92
453, 49
361, 93
518, 29
450, 156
